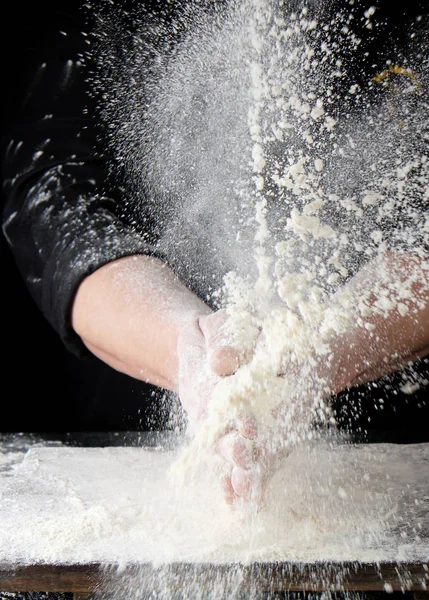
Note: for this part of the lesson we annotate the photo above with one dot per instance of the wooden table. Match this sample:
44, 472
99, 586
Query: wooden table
83, 580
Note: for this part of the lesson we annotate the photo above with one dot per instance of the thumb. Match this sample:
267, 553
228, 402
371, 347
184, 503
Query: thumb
223, 359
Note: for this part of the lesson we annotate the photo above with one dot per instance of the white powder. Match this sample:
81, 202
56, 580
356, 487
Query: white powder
296, 306
328, 502
269, 140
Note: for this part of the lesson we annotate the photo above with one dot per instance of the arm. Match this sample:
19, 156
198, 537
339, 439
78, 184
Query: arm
130, 313
82, 263
390, 329
137, 316
387, 338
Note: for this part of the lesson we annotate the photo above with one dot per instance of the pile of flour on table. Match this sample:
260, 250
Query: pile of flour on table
71, 505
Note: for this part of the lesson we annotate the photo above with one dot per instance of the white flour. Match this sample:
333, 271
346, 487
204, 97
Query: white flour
295, 186
116, 505
288, 316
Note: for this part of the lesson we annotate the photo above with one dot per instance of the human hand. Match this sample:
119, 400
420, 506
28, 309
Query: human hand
250, 460
205, 355
248, 457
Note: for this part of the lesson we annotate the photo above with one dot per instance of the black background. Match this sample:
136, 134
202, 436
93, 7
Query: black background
44, 387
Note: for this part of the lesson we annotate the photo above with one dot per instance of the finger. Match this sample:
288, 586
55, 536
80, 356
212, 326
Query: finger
213, 328
215, 332
221, 432
235, 450
194, 398
247, 427
199, 413
228, 490
242, 482
224, 361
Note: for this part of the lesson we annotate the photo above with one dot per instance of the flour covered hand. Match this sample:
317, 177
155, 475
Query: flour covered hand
204, 357
244, 456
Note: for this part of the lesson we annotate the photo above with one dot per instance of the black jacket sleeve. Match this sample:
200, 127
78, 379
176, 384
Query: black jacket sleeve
58, 219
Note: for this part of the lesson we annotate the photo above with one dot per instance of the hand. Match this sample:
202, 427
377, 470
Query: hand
247, 459
250, 462
204, 356
129, 313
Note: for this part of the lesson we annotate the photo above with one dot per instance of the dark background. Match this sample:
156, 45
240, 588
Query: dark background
35, 366
46, 388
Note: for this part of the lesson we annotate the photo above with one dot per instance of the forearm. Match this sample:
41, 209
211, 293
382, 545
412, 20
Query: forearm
384, 340
130, 312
